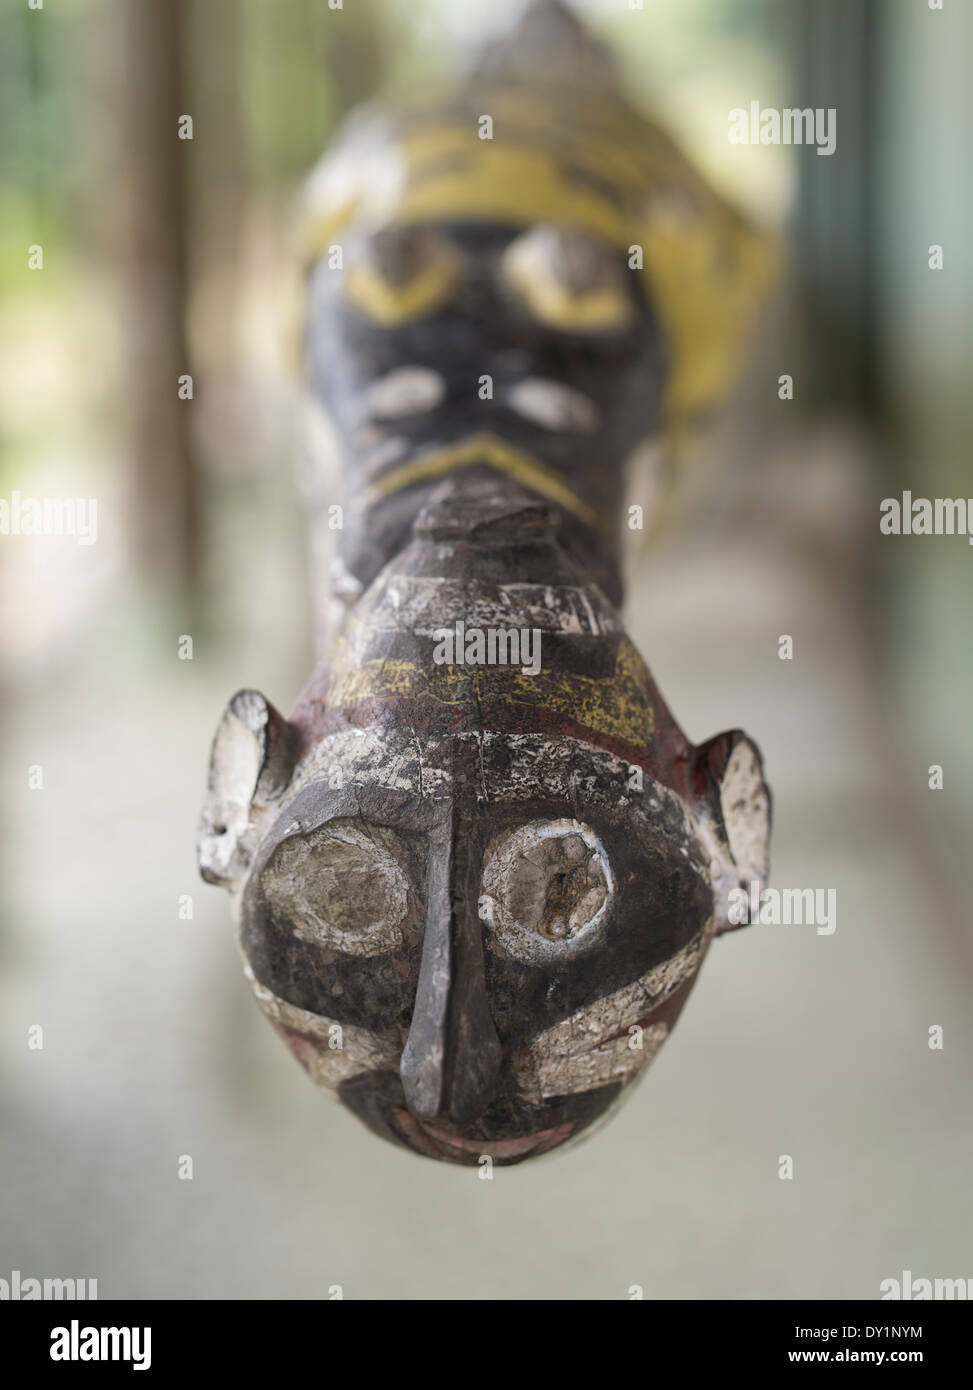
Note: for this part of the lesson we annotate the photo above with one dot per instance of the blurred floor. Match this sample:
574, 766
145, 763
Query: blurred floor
794, 1043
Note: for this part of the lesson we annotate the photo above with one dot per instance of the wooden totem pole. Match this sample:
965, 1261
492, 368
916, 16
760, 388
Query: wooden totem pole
477, 870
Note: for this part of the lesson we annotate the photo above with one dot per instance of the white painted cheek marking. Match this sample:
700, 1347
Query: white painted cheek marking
405, 391
583, 1051
612, 1061
554, 405
361, 1050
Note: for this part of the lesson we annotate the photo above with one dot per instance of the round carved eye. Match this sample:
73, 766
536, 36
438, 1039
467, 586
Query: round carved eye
568, 279
401, 274
343, 886
546, 888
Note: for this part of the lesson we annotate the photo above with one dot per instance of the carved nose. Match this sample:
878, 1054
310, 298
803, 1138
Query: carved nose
452, 1055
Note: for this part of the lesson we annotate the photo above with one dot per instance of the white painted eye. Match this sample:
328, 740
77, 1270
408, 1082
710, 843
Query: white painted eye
546, 889
401, 274
569, 279
343, 886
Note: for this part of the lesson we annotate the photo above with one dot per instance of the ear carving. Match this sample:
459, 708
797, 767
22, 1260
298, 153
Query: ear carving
251, 762
730, 780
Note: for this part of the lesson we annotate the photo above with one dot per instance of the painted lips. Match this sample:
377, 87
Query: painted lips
439, 1143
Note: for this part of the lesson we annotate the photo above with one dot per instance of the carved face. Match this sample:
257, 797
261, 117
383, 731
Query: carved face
533, 350
473, 898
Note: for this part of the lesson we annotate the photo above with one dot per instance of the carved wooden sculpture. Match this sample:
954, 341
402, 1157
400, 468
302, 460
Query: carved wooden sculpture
477, 870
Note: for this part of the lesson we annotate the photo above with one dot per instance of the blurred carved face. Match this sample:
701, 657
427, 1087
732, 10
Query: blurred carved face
474, 899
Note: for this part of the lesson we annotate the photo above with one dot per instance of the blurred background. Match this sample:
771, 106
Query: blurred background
163, 257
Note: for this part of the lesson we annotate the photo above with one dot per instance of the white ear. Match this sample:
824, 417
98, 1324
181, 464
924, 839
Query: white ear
745, 803
250, 766
736, 791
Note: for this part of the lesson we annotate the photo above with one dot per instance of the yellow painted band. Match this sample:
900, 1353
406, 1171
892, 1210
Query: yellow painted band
489, 449
613, 705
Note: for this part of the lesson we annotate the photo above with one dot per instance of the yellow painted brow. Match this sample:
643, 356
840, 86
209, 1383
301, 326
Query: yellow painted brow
553, 304
390, 304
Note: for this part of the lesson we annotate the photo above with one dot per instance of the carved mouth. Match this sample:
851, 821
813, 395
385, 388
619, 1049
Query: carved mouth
439, 1143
